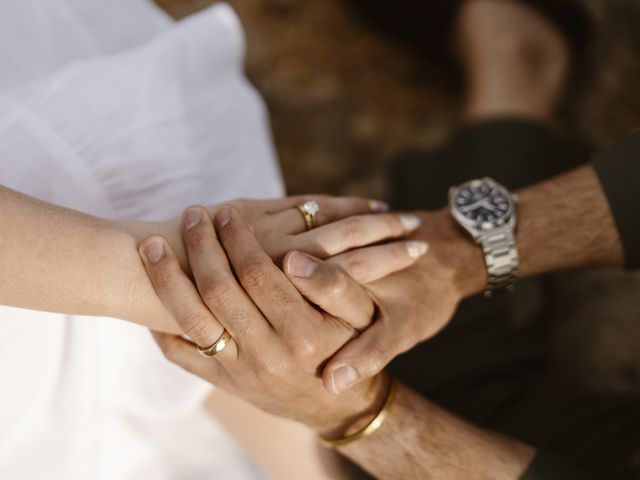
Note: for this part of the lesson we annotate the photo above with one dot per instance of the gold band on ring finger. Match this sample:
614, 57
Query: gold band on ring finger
309, 211
218, 346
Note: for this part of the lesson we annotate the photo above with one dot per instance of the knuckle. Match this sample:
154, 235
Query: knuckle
356, 267
254, 275
216, 292
304, 348
353, 230
339, 286
195, 325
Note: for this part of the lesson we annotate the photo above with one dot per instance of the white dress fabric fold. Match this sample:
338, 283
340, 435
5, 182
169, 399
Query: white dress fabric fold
113, 109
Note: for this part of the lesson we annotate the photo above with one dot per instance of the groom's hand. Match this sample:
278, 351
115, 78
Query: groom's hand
280, 341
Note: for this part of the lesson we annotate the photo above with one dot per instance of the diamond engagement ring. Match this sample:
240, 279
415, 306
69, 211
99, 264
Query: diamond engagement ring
309, 211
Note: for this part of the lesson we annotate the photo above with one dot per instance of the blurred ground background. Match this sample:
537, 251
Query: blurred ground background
345, 98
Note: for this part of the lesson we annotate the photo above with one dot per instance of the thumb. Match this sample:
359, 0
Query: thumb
329, 287
363, 357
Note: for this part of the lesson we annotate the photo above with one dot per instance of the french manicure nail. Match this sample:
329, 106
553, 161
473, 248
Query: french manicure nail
410, 222
342, 378
378, 206
192, 218
416, 249
223, 216
153, 250
300, 265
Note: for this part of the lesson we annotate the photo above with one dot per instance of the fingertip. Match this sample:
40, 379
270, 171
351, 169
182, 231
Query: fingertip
223, 216
378, 206
339, 378
410, 222
153, 249
192, 216
416, 249
327, 379
326, 382
285, 262
299, 265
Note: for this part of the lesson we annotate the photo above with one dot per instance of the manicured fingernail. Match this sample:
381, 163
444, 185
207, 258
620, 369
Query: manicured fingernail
378, 206
153, 250
410, 222
342, 378
300, 265
416, 249
192, 218
223, 216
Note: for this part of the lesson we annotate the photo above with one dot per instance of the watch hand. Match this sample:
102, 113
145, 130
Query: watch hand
486, 204
471, 207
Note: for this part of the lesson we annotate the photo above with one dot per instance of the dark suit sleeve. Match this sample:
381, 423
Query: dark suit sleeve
514, 152
618, 168
548, 467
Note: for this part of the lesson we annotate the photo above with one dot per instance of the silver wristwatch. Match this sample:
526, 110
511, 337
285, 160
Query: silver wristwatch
487, 211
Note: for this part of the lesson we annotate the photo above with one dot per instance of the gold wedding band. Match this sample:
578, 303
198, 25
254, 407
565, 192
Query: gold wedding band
309, 211
371, 427
218, 346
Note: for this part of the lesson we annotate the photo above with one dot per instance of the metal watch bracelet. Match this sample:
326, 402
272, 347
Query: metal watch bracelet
501, 257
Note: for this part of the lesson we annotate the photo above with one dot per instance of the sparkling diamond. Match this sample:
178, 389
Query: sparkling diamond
311, 207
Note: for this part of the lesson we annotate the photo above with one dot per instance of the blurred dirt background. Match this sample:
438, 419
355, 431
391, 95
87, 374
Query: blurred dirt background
346, 97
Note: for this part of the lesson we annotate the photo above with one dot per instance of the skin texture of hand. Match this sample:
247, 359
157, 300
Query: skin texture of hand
279, 341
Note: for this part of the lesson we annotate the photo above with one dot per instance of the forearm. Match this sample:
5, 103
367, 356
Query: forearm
566, 223
563, 223
419, 440
59, 260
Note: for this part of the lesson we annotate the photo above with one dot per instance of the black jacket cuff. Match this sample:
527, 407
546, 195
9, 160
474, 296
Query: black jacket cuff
618, 168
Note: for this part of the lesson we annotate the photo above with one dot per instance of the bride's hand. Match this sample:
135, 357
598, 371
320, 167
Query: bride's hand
343, 224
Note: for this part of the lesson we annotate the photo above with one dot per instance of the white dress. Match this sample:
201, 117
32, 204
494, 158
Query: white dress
111, 108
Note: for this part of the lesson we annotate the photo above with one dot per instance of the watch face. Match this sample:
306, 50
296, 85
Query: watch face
483, 202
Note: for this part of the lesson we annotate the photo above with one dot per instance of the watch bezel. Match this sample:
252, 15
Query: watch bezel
475, 228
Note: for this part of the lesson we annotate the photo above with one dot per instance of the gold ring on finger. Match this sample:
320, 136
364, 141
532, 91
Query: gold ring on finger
218, 346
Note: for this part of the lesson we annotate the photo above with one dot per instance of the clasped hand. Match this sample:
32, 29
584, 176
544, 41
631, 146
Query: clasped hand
302, 332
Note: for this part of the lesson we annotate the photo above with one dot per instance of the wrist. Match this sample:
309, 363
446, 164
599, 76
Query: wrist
141, 303
355, 408
454, 252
